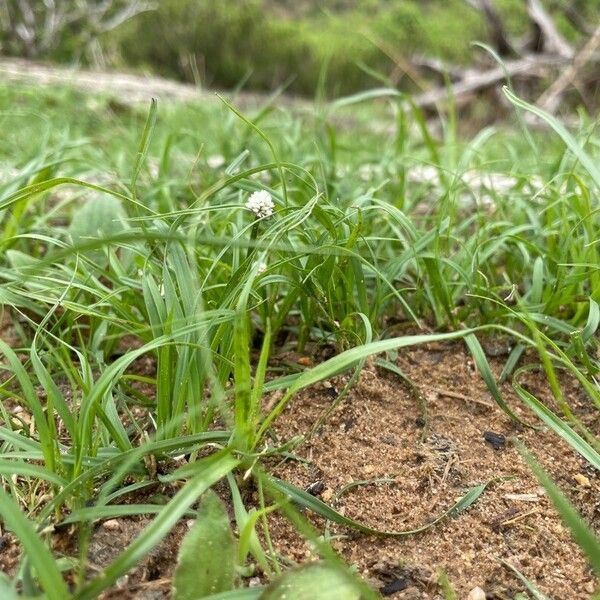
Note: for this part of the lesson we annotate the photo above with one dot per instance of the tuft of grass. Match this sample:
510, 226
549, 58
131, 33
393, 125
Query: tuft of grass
125, 245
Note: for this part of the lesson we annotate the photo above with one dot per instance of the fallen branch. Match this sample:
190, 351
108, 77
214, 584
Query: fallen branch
475, 81
438, 67
547, 39
577, 19
501, 42
550, 99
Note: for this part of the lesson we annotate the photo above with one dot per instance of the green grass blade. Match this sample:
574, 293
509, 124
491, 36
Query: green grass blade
18, 467
593, 321
536, 594
253, 593
210, 470
559, 426
144, 144
584, 158
33, 402
306, 500
582, 534
486, 373
36, 551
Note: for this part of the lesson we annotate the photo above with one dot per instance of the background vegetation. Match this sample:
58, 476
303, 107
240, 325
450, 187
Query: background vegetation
262, 44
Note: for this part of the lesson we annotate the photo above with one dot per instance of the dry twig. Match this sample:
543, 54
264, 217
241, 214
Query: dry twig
547, 37
550, 99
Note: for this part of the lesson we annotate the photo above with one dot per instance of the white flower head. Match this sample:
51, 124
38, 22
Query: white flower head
261, 204
216, 161
261, 267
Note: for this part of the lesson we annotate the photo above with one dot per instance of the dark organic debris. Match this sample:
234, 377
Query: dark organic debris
394, 586
316, 488
496, 440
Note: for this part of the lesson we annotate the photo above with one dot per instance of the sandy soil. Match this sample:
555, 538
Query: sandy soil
379, 432
429, 459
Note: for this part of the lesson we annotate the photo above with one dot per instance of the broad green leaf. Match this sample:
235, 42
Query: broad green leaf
20, 260
252, 593
7, 589
207, 556
313, 581
100, 217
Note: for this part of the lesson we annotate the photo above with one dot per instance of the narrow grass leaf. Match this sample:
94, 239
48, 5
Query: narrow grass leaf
559, 426
486, 373
531, 588
210, 470
584, 158
593, 321
19, 467
36, 551
582, 534
306, 500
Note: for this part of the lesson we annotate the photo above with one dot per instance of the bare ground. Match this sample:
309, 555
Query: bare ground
380, 432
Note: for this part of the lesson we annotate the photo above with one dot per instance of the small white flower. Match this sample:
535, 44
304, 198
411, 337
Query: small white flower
216, 161
261, 204
261, 268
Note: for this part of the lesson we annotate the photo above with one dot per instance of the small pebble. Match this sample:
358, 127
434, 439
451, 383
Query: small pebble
111, 525
316, 488
411, 593
582, 480
476, 594
327, 495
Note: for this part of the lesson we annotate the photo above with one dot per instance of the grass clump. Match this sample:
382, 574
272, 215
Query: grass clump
141, 247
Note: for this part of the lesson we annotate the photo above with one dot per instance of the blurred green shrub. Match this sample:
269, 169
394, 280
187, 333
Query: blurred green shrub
222, 43
347, 44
